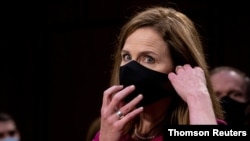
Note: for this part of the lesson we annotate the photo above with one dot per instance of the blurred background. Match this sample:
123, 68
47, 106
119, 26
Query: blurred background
56, 57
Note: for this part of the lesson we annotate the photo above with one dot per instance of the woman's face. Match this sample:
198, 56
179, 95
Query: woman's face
147, 47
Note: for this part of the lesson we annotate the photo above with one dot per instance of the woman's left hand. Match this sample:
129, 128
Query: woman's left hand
190, 84
188, 81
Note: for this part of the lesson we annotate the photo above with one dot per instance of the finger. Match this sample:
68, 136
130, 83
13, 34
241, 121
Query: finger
131, 115
119, 96
131, 105
107, 94
198, 69
119, 115
178, 69
187, 66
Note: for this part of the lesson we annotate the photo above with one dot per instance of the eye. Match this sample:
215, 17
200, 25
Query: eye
236, 94
148, 59
126, 57
218, 94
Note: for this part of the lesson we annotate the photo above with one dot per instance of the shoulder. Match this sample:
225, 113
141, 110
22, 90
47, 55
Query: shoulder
96, 138
221, 122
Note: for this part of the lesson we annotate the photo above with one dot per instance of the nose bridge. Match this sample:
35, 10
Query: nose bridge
224, 94
135, 60
134, 56
132, 60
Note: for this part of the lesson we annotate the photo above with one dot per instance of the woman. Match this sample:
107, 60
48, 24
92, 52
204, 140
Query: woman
159, 78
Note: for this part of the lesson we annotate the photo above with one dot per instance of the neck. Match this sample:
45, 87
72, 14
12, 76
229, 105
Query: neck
143, 137
152, 116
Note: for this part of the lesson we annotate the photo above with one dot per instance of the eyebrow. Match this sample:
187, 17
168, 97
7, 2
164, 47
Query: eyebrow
143, 52
124, 51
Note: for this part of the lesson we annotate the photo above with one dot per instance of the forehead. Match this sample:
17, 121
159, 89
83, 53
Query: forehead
146, 36
6, 126
226, 77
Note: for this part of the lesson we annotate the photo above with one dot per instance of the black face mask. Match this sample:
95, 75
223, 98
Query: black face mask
234, 111
151, 84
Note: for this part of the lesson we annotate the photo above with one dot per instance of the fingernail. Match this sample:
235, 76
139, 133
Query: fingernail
132, 86
140, 95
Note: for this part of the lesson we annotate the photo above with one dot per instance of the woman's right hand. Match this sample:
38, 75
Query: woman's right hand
115, 114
